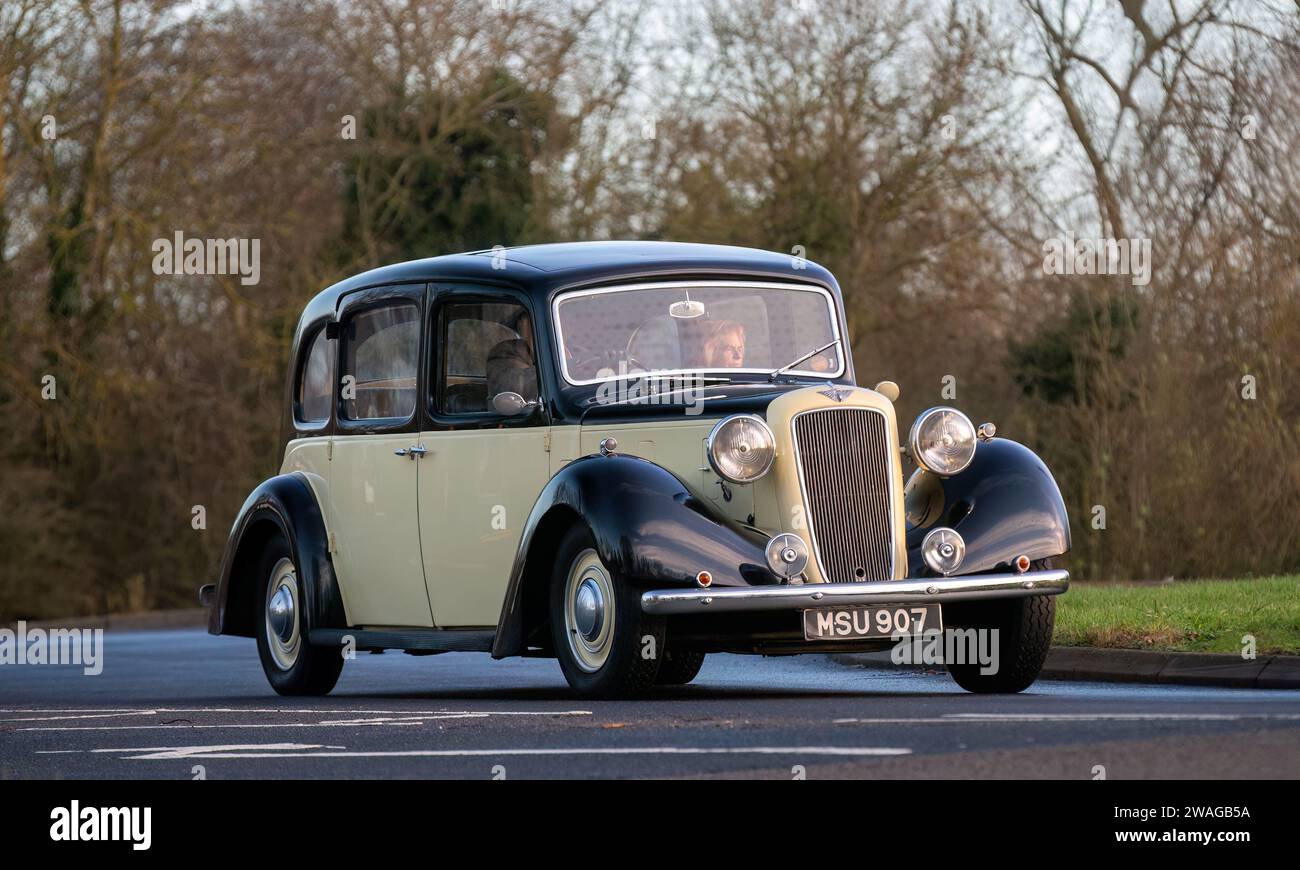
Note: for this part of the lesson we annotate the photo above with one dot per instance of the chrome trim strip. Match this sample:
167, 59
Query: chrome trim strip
895, 500
924, 590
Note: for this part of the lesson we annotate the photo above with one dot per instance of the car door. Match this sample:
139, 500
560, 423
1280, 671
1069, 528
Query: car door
373, 471
484, 470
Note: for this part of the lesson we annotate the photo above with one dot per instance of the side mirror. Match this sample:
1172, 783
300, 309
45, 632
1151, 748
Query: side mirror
512, 404
888, 389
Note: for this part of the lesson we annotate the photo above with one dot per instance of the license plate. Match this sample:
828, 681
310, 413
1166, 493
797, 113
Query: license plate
850, 623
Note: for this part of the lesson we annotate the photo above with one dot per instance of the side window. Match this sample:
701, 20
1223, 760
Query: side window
380, 351
488, 349
315, 382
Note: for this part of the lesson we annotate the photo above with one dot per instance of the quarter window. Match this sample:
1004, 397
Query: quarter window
312, 400
380, 350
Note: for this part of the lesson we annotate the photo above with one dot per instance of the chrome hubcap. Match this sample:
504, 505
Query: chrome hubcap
280, 612
589, 611
283, 635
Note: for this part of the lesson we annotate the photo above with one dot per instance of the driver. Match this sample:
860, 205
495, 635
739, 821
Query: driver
511, 364
722, 344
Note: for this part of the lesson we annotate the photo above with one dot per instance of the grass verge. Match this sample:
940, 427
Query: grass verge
1185, 616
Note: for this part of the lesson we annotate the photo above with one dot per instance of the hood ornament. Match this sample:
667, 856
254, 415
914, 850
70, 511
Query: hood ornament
838, 394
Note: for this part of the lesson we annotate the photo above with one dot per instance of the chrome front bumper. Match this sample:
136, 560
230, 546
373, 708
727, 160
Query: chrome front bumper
926, 590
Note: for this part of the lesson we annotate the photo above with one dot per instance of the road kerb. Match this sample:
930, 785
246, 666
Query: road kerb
189, 617
1146, 666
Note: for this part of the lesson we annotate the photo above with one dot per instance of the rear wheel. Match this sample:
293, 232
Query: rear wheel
1024, 637
606, 646
292, 665
679, 668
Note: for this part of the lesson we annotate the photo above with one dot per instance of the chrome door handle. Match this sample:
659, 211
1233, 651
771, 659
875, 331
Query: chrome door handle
401, 451
418, 450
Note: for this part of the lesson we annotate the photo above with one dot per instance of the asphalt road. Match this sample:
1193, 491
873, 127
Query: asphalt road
177, 703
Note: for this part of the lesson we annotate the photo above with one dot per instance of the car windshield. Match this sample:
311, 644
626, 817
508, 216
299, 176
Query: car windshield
724, 328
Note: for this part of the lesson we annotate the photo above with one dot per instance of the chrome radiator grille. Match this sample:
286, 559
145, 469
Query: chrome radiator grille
844, 467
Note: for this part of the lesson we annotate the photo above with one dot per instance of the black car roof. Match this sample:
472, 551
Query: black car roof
545, 269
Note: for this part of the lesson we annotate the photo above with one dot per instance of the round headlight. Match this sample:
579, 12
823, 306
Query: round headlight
741, 448
943, 550
942, 440
787, 555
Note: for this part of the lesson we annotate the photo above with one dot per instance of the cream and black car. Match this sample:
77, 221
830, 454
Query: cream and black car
625, 456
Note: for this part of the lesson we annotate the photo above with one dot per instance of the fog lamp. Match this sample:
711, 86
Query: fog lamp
787, 555
943, 550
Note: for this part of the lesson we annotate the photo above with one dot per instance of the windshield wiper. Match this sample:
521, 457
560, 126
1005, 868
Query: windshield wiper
785, 368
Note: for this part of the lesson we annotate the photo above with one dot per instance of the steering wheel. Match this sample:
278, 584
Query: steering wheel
594, 361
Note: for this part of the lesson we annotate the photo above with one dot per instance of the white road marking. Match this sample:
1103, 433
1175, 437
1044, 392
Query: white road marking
334, 711
1094, 717
401, 720
173, 753
75, 710
189, 727
968, 718
163, 752
368, 718
115, 715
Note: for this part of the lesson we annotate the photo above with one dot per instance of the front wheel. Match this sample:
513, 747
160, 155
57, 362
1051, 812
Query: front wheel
606, 646
292, 665
1024, 636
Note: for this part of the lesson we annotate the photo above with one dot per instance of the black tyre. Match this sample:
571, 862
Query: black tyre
606, 646
1024, 627
679, 668
292, 665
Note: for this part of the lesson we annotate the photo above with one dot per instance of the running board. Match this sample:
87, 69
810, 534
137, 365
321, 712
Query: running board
430, 639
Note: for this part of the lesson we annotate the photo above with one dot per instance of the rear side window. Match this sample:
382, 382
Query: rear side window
380, 350
315, 381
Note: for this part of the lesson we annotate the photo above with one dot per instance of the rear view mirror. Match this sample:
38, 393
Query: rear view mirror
687, 309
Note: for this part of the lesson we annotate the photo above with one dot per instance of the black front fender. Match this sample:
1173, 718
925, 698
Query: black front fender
650, 528
284, 505
1005, 504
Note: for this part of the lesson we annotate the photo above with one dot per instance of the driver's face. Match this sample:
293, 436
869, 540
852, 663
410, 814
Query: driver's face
725, 349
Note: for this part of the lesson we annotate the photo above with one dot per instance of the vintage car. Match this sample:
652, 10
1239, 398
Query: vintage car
623, 455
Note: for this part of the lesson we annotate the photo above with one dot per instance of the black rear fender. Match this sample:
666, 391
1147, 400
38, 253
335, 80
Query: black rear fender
284, 505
